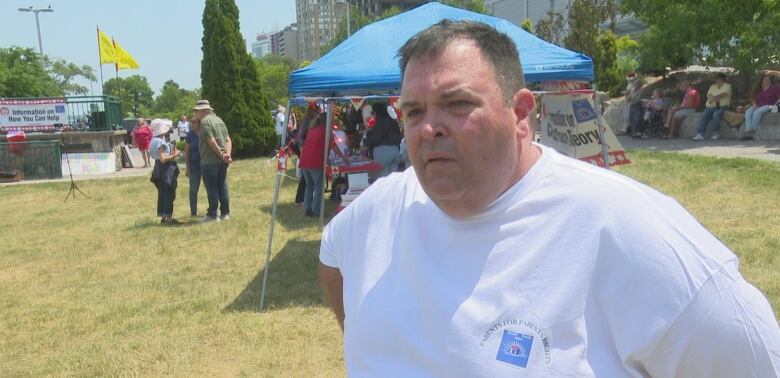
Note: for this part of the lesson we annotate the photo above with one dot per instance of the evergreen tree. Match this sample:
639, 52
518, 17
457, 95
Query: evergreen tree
231, 83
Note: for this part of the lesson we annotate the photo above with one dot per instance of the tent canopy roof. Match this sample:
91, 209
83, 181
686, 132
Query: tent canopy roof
366, 62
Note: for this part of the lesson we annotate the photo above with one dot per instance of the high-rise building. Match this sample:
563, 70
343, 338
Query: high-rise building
376, 7
261, 45
285, 42
317, 24
516, 11
318, 20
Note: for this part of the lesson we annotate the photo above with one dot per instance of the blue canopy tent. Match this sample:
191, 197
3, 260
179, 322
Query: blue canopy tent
366, 63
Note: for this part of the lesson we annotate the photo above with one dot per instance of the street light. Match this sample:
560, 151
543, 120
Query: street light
349, 27
37, 23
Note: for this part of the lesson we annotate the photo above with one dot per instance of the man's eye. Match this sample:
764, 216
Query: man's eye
461, 105
413, 112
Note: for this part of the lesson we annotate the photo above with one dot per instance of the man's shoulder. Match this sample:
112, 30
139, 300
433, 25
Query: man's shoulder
211, 119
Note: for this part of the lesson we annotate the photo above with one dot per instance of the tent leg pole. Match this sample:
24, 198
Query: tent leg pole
602, 131
270, 239
328, 125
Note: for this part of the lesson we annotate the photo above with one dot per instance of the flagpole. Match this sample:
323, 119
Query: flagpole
99, 61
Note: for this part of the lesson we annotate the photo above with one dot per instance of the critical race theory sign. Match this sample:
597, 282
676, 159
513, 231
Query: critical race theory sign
569, 125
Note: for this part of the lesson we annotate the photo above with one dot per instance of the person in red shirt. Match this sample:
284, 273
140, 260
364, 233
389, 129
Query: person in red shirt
311, 163
689, 105
142, 136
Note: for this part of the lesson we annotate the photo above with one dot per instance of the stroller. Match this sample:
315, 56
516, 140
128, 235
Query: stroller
653, 122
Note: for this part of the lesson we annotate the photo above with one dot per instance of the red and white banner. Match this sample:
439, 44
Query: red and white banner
32, 114
569, 126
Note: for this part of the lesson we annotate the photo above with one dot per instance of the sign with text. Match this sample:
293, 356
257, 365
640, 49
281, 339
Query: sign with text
568, 125
88, 163
32, 114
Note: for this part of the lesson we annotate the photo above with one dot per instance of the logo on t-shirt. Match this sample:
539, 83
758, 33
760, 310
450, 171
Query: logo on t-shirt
515, 348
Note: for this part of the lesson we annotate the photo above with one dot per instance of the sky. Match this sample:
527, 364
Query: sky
164, 36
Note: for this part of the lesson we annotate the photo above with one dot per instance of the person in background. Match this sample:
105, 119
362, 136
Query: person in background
142, 136
192, 161
216, 150
384, 139
165, 175
280, 124
765, 96
718, 99
689, 104
183, 127
311, 164
634, 101
499, 257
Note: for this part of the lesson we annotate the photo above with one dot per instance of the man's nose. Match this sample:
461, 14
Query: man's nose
433, 125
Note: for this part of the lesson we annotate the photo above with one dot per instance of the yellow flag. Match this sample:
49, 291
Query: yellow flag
123, 58
106, 48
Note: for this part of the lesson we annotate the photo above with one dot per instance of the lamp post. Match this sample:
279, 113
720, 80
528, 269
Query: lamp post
37, 22
349, 27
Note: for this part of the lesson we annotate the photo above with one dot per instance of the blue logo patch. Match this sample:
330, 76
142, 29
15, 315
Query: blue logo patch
59, 108
583, 112
515, 348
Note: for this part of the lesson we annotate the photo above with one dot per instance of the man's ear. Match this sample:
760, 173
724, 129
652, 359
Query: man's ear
524, 103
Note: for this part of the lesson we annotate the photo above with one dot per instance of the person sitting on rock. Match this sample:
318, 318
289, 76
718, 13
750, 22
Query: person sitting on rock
689, 104
718, 99
765, 96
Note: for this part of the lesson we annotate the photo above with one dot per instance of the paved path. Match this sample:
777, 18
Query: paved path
125, 172
763, 150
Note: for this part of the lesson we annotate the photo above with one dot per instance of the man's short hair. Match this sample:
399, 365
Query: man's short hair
496, 47
721, 75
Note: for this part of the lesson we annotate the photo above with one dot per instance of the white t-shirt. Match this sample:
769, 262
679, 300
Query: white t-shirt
280, 123
184, 128
574, 271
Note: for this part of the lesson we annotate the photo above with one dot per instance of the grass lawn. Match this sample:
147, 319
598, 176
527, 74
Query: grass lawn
96, 287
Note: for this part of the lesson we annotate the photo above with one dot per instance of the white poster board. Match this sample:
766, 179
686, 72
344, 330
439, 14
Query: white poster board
33, 114
89, 163
568, 125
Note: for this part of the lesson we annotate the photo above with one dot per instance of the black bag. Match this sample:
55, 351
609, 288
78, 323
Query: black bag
156, 173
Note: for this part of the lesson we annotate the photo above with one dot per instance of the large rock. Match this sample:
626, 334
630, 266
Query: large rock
614, 114
769, 129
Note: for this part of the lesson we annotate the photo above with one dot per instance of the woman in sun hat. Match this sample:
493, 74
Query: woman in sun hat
166, 171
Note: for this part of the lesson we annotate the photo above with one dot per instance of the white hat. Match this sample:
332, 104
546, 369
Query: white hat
202, 105
161, 126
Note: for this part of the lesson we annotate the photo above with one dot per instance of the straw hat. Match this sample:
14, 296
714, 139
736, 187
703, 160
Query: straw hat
161, 126
202, 105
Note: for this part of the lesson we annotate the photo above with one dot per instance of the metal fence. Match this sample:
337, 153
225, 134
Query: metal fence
33, 160
94, 113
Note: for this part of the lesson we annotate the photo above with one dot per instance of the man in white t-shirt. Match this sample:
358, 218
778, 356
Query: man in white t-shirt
496, 256
183, 127
280, 110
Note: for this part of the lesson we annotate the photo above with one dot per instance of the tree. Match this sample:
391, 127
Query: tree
22, 75
174, 101
64, 72
134, 92
274, 74
737, 33
472, 5
608, 76
586, 36
527, 25
231, 82
550, 28
585, 18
